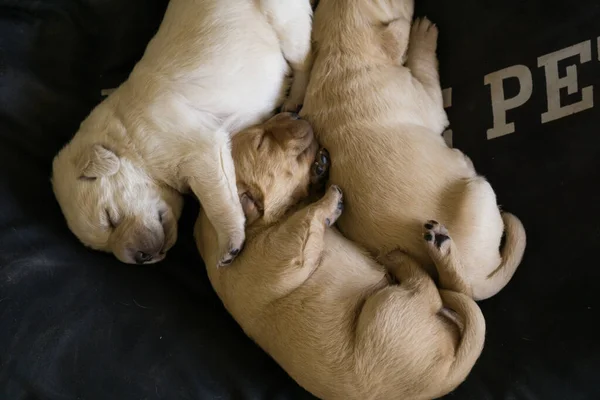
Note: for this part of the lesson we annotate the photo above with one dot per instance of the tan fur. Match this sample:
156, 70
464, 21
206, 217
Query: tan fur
375, 102
213, 68
316, 302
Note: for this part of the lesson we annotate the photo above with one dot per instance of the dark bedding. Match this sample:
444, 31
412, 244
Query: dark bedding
77, 324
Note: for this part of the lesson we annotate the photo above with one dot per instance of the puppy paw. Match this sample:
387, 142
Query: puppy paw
332, 205
424, 34
291, 105
437, 238
320, 168
232, 246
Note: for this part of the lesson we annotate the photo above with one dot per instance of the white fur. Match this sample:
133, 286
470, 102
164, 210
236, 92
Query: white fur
213, 68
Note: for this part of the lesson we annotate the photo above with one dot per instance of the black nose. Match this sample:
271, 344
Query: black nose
294, 115
141, 257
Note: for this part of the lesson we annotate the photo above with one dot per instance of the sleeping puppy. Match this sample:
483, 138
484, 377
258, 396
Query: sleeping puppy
375, 102
316, 302
213, 68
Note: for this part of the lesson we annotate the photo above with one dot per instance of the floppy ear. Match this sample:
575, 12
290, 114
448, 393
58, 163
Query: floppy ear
292, 134
98, 161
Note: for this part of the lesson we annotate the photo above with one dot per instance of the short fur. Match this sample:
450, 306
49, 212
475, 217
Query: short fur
213, 68
316, 302
375, 101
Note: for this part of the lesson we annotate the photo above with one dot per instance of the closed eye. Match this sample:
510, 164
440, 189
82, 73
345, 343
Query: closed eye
161, 215
260, 141
111, 223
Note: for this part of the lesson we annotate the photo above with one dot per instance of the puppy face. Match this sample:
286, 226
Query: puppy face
112, 205
274, 165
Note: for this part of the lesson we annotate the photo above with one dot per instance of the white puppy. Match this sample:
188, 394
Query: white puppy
213, 68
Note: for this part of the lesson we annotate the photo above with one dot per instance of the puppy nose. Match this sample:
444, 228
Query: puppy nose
294, 115
141, 257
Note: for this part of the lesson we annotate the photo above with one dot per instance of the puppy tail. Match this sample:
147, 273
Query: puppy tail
511, 254
472, 339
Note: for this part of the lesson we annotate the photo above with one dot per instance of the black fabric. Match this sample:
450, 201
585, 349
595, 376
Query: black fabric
77, 324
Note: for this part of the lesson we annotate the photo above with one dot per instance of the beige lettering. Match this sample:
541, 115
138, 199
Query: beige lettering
500, 104
554, 82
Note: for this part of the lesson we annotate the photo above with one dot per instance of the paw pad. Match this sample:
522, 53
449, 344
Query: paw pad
436, 233
334, 194
440, 239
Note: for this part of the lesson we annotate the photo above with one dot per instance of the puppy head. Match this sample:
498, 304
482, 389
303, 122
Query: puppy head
356, 24
360, 11
112, 205
273, 164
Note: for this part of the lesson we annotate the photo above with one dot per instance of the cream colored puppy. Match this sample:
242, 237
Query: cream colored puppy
316, 302
214, 67
375, 102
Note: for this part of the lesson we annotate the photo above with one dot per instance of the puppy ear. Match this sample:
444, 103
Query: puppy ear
98, 161
292, 136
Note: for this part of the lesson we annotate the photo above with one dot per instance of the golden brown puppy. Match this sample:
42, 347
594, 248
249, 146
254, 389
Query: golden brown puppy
316, 302
375, 102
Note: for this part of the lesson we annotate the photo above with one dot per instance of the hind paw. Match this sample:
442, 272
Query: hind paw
331, 205
437, 237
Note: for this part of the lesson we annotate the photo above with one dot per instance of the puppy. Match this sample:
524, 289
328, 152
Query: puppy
375, 102
316, 302
213, 68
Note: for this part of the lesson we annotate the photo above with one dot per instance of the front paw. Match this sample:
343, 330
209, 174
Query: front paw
424, 34
320, 168
229, 247
332, 205
291, 105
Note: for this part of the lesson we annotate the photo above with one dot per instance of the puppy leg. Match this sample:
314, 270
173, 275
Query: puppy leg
482, 225
422, 59
210, 174
415, 280
410, 275
297, 244
423, 64
444, 254
292, 21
